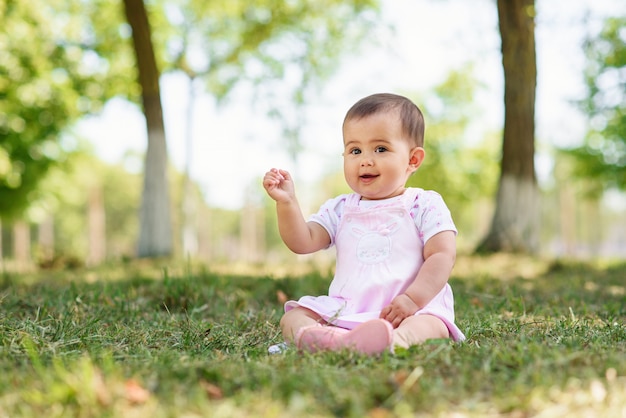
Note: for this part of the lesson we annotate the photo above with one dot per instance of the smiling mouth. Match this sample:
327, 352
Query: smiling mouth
367, 177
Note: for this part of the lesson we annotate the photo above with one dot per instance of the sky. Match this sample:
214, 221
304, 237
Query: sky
234, 145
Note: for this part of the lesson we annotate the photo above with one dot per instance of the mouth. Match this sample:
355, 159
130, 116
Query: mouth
367, 178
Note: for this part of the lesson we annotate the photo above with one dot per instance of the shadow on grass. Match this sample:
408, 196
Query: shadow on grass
579, 287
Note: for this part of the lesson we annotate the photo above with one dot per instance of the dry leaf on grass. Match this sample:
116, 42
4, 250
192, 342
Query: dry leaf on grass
281, 296
213, 391
135, 393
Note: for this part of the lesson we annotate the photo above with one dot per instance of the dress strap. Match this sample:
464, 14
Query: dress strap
352, 200
409, 196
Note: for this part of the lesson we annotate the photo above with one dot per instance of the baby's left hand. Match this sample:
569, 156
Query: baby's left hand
401, 307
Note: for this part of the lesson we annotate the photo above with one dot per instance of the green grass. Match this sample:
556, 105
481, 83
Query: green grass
544, 340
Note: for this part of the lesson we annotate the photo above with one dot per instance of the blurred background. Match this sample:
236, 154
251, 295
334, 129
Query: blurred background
100, 163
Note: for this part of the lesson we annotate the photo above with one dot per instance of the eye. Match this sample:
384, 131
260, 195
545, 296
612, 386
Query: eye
355, 151
380, 149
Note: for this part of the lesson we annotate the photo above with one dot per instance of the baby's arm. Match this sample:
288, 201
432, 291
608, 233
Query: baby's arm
439, 257
300, 236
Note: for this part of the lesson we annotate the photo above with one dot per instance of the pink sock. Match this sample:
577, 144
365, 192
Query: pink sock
319, 338
371, 337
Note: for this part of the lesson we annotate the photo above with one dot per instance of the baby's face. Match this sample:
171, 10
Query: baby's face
378, 158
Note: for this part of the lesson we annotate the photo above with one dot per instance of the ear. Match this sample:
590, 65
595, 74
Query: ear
416, 158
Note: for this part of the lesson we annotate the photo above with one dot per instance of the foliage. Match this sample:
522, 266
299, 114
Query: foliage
139, 340
79, 55
49, 76
603, 156
260, 40
281, 48
462, 169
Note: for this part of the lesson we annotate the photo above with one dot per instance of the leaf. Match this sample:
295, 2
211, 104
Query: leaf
213, 391
135, 393
282, 297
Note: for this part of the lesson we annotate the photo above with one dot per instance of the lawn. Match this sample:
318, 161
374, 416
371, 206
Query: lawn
545, 339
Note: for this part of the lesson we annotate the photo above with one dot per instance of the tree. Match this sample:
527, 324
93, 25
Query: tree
155, 232
260, 42
48, 79
92, 61
602, 157
515, 222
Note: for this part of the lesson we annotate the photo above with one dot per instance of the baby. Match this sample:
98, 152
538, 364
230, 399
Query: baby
396, 246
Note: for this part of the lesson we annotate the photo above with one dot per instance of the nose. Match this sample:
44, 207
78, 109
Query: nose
367, 161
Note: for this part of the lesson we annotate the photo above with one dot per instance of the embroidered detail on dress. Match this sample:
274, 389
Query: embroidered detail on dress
374, 246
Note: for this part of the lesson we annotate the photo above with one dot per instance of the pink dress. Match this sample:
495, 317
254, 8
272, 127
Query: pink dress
379, 253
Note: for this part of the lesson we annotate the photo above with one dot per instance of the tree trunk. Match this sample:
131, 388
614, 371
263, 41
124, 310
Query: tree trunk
45, 239
567, 218
155, 230
249, 248
96, 218
188, 199
21, 245
515, 223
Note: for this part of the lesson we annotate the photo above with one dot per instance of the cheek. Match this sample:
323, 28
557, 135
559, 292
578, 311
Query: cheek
346, 170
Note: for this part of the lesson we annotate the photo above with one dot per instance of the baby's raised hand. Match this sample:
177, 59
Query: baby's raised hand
278, 184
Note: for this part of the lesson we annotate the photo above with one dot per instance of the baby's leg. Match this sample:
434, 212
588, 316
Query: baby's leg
295, 319
418, 328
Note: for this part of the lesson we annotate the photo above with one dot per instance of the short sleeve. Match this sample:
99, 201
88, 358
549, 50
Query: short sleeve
329, 216
431, 215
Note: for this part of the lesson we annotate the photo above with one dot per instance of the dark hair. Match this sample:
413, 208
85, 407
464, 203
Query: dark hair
411, 116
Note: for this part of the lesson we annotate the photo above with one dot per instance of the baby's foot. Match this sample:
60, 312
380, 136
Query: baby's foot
319, 338
371, 337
